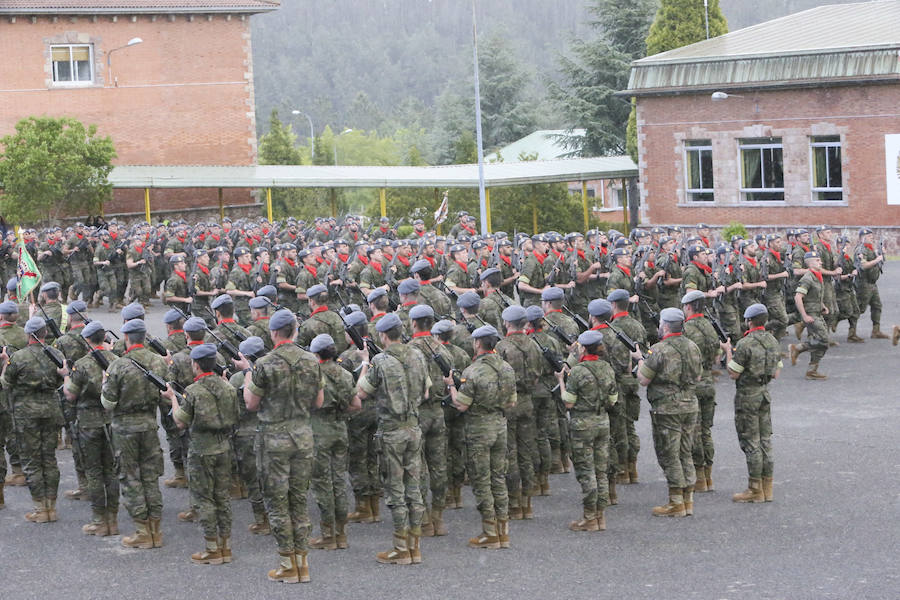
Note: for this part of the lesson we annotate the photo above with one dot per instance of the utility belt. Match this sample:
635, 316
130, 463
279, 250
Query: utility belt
395, 425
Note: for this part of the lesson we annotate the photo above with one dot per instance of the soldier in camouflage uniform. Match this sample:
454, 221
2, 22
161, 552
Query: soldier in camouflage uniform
456, 433
307, 277
104, 257
132, 401
287, 268
668, 261
321, 320
845, 293
227, 327
552, 302
259, 320
82, 391
424, 272
871, 263
209, 408
670, 373
30, 379
546, 406
830, 270
12, 338
398, 379
753, 286
809, 299
240, 283
48, 299
756, 361
204, 287
329, 424
284, 386
531, 280
774, 292
488, 389
139, 272
521, 442
495, 301
590, 392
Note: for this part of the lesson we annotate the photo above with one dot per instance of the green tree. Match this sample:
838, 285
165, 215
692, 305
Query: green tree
682, 22
54, 166
507, 112
279, 147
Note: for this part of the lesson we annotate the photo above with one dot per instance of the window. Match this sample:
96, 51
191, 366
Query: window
698, 170
762, 175
826, 168
72, 64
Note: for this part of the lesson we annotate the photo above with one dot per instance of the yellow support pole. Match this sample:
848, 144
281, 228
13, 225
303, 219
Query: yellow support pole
487, 208
382, 197
147, 203
269, 203
221, 206
333, 197
625, 205
584, 205
534, 211
101, 210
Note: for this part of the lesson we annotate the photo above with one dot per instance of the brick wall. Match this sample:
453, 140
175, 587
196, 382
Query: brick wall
184, 95
861, 115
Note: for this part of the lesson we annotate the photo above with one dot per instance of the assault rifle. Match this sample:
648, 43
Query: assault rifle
51, 323
579, 320
623, 337
551, 357
558, 332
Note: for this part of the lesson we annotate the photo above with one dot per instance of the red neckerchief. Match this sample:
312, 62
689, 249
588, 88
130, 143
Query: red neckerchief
194, 342
375, 316
558, 255
484, 262
805, 248
588, 358
202, 375
182, 275
181, 238
624, 313
751, 260
202, 268
599, 327
99, 348
559, 310
174, 331
422, 334
215, 237
625, 270
114, 235
364, 260
420, 233
705, 241
486, 352
383, 229
668, 335
826, 244
509, 333
507, 260
80, 236
265, 230
130, 348
6, 325
139, 247
282, 343
430, 259
410, 303
311, 269
245, 268
290, 261
776, 254
343, 257
262, 318
650, 264
540, 257
379, 268
105, 245
705, 268
78, 326
471, 230
693, 316
387, 256
752, 329
318, 310
249, 241
257, 238
32, 342
529, 330
403, 260
581, 254
462, 265
202, 237
817, 274
228, 320
51, 242
846, 257
265, 268
869, 246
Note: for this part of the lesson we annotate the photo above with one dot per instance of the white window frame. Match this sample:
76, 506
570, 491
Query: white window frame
813, 144
742, 146
688, 147
56, 82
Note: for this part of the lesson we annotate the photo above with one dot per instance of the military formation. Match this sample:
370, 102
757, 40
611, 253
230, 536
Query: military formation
325, 356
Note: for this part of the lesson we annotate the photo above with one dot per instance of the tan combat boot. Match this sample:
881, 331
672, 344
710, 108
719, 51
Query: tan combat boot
895, 335
188, 516
437, 521
178, 480
51, 510
16, 477
587, 523
527, 510
688, 496
156, 532
363, 512
601, 520
515, 507
709, 479
613, 496
261, 525
237, 489
287, 569
877, 334
798, 329
98, 525
225, 548
340, 535
675, 506
622, 476
112, 521
301, 559
326, 541
398, 555
141, 538
632, 471
427, 525
556, 465
753, 493
80, 491
415, 553
767, 489
852, 337
38, 514
211, 556
375, 508
545, 484
503, 532
813, 372
488, 538
700, 486
795, 350
456, 497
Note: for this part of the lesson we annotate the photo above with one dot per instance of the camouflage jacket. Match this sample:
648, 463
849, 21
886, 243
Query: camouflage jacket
323, 321
524, 357
398, 378
428, 346
488, 386
757, 357
85, 382
813, 293
129, 394
700, 330
288, 380
210, 407
591, 387
31, 382
673, 368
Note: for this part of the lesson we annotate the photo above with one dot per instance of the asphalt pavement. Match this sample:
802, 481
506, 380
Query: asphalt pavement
832, 531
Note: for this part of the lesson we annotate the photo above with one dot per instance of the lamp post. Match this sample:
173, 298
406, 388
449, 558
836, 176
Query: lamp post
132, 42
335, 143
312, 134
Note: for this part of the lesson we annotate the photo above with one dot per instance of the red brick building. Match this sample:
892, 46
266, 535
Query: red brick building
793, 121
183, 95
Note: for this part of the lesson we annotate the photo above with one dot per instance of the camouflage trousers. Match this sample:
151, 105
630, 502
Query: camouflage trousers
37, 450
245, 457
628, 397
100, 471
284, 460
590, 442
456, 447
363, 467
673, 438
140, 467
434, 454
617, 459
402, 453
704, 450
848, 308
753, 422
547, 431
82, 279
109, 287
177, 439
329, 474
830, 300
140, 285
867, 297
5, 435
731, 322
486, 447
817, 340
209, 483
778, 317
521, 446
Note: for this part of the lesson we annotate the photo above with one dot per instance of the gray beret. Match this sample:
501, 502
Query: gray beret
320, 342
12, 284
671, 315
485, 331
8, 308
134, 326
692, 296
203, 351
252, 346
421, 311
419, 265
133, 311
171, 316
375, 295
617, 295
488, 272
259, 302
807, 256
91, 328
408, 286
513, 313
177, 258
590, 337
599, 307
220, 300
468, 300
534, 313
357, 317
282, 318
316, 290
441, 327
387, 322
34, 324
754, 310
267, 290
77, 306
195, 324
50, 285
552, 293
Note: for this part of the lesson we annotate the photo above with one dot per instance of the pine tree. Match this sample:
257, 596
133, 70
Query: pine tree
682, 22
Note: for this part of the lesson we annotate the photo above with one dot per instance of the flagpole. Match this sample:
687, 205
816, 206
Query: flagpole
482, 202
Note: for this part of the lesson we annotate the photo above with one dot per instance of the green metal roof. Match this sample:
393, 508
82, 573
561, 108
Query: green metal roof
545, 143
451, 176
841, 43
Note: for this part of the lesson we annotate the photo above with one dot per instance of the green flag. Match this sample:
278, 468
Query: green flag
27, 271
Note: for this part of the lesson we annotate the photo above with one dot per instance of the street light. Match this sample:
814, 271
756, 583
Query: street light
718, 96
312, 134
335, 143
132, 42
